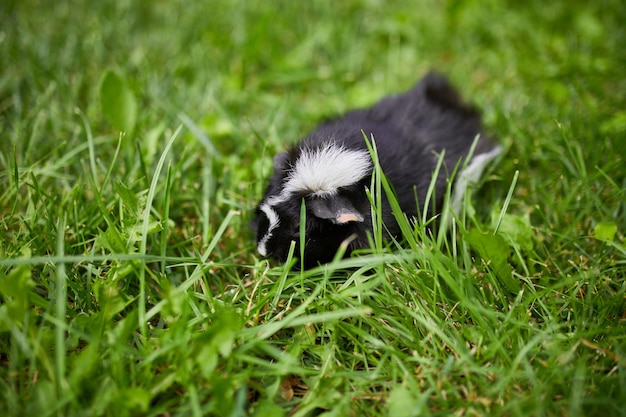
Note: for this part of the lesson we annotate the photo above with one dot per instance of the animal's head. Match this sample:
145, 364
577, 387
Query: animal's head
330, 180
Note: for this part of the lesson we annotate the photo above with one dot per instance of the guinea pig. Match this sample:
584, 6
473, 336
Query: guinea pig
331, 168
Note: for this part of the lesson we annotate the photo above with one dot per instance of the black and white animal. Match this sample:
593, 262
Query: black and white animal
331, 168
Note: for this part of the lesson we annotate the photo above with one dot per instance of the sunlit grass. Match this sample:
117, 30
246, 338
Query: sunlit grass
129, 284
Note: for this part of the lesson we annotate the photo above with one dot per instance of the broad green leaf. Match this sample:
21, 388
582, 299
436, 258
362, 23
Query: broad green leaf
15, 288
401, 403
218, 340
267, 408
112, 240
110, 300
206, 358
128, 197
174, 302
615, 124
150, 142
124, 328
517, 230
605, 231
84, 364
118, 101
224, 337
494, 250
134, 398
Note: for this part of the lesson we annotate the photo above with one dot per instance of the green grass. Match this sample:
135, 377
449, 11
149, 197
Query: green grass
129, 284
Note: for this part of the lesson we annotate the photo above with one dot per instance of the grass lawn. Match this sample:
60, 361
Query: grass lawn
137, 136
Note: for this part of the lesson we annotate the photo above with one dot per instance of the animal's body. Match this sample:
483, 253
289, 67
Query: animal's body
331, 168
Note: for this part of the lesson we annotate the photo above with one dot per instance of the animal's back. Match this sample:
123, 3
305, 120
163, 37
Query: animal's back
331, 168
411, 130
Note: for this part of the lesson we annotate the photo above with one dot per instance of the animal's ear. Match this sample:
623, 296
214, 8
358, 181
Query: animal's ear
336, 208
280, 161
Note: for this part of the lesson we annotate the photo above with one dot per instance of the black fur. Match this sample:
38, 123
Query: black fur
411, 130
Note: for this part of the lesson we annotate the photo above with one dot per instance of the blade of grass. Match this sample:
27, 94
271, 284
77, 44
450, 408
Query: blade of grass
60, 296
144, 231
507, 201
92, 152
165, 221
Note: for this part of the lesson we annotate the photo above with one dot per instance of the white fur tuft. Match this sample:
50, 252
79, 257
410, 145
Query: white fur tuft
322, 171
470, 176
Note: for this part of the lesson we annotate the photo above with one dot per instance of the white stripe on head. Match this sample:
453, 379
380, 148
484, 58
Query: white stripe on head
274, 221
322, 171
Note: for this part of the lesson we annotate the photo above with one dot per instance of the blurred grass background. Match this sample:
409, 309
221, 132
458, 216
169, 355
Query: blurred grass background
128, 279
